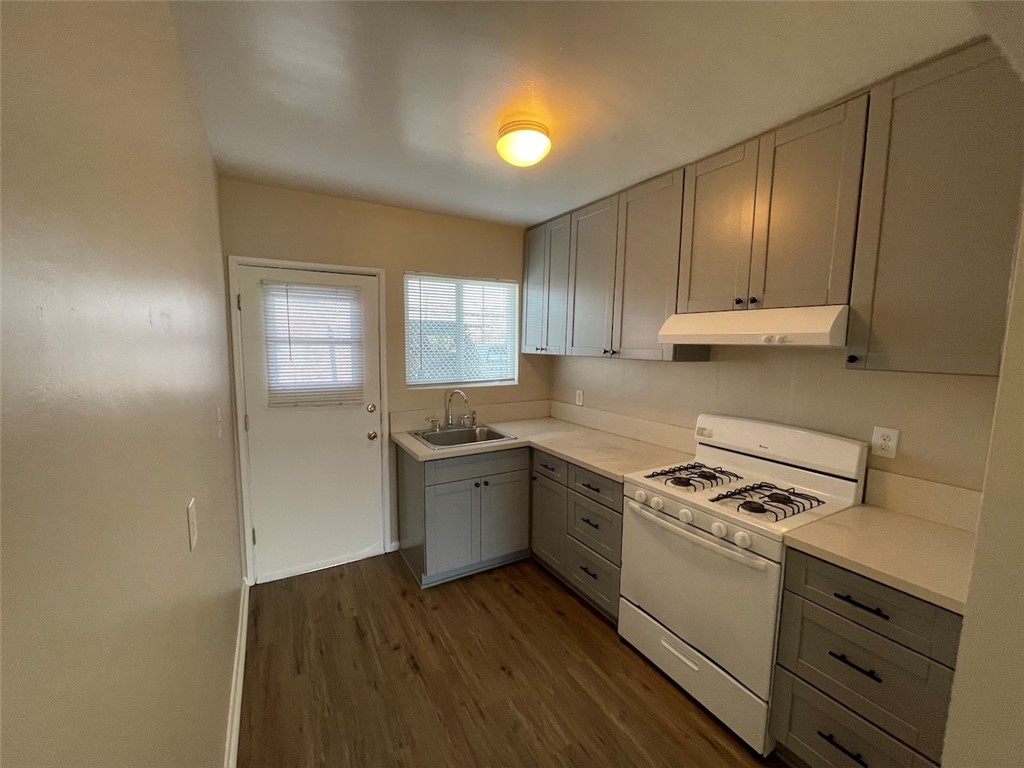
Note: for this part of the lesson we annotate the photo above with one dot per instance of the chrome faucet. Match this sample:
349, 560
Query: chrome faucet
448, 420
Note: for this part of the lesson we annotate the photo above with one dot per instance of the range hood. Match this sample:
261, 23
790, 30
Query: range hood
791, 327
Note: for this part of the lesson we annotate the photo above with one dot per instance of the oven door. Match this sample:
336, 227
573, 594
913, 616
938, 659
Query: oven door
719, 598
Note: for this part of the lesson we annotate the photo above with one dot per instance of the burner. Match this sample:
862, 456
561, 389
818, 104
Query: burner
683, 482
755, 507
706, 474
780, 498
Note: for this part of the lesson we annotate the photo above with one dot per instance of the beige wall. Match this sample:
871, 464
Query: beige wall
274, 223
987, 709
944, 420
117, 642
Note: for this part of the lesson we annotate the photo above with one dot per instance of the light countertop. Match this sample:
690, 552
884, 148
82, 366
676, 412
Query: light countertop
610, 455
920, 557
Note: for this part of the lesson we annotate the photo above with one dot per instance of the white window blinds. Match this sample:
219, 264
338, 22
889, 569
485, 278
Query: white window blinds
459, 331
314, 344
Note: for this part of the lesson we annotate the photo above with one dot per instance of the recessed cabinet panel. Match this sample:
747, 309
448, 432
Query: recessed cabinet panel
592, 276
648, 266
548, 531
717, 230
939, 217
557, 233
535, 289
452, 526
808, 188
504, 521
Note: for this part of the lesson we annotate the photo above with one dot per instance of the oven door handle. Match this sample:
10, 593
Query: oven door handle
755, 563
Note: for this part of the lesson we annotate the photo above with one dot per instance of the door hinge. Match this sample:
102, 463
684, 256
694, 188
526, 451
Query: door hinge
238, 298
247, 422
254, 537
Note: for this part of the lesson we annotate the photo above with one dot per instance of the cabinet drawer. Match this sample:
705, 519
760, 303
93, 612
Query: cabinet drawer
899, 690
477, 465
596, 487
550, 466
915, 623
594, 576
596, 526
827, 735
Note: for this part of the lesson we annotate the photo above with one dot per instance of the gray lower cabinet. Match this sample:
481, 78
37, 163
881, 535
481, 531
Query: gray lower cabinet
940, 204
865, 671
462, 515
578, 537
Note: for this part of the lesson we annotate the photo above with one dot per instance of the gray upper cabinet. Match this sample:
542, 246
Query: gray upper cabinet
718, 224
805, 221
647, 266
546, 288
593, 241
938, 219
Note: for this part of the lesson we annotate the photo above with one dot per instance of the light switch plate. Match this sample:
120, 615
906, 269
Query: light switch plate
193, 530
579, 397
884, 442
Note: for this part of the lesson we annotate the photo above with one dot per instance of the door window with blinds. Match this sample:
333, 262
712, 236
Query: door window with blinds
460, 331
314, 337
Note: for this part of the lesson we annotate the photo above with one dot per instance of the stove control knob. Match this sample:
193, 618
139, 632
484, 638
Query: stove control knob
719, 529
686, 515
640, 495
657, 503
742, 539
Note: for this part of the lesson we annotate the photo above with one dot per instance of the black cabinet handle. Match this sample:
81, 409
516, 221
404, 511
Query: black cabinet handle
867, 608
606, 352
753, 299
548, 467
614, 352
852, 358
590, 487
486, 482
738, 301
869, 673
476, 485
855, 756
589, 572
588, 522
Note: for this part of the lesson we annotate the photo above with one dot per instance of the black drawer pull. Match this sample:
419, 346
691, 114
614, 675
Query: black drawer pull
855, 756
874, 611
548, 467
866, 672
588, 522
590, 487
589, 572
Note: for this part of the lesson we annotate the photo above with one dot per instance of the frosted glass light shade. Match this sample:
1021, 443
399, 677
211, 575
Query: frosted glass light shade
523, 143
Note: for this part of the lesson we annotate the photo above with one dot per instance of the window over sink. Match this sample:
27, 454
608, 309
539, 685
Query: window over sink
460, 330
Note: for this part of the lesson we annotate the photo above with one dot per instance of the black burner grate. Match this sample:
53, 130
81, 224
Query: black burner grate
695, 476
770, 500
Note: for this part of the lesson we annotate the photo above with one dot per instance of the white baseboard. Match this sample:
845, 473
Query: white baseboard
237, 678
392, 546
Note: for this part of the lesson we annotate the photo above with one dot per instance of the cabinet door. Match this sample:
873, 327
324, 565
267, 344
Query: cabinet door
805, 222
939, 216
452, 526
535, 279
718, 223
647, 267
592, 276
504, 514
557, 239
548, 528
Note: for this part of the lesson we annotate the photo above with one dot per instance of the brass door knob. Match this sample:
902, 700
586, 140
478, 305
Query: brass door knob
371, 407
371, 435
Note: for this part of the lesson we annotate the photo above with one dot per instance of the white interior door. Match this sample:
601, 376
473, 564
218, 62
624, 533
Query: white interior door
310, 389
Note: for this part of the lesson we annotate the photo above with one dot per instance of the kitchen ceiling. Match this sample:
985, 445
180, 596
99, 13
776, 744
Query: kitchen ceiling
400, 103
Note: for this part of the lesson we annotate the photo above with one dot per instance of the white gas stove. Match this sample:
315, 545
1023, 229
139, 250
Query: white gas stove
701, 552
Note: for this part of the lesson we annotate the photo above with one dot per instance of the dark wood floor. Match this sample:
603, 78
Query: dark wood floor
356, 666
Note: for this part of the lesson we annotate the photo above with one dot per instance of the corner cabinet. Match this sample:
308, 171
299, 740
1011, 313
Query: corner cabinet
772, 222
939, 216
546, 288
462, 515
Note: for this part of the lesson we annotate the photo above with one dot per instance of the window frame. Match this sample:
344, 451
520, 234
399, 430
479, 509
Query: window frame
460, 383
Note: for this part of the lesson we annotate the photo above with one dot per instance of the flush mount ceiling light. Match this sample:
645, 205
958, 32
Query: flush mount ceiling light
523, 143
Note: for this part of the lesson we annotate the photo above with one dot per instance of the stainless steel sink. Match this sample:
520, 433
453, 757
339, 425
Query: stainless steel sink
455, 437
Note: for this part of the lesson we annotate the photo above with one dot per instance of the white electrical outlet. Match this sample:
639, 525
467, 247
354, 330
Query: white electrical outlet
579, 397
885, 441
193, 530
